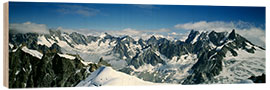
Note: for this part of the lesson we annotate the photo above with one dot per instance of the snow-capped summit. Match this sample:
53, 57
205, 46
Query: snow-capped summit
105, 76
204, 57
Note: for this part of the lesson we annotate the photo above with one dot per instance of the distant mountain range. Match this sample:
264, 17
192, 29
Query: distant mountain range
67, 59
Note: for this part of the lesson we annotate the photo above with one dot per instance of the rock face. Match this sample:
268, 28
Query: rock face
148, 57
210, 60
78, 38
121, 49
258, 79
30, 40
211, 48
197, 60
52, 70
192, 36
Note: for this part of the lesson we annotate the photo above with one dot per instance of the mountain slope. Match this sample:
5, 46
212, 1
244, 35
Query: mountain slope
204, 57
30, 68
106, 76
232, 47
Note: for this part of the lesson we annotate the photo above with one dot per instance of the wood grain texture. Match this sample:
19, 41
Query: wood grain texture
5, 32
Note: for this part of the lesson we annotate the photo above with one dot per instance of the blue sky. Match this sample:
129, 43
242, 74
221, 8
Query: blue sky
121, 16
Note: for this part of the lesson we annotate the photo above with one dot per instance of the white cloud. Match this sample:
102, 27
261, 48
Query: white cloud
255, 35
134, 33
174, 33
129, 31
163, 30
203, 25
77, 9
137, 34
145, 6
247, 30
28, 27
66, 30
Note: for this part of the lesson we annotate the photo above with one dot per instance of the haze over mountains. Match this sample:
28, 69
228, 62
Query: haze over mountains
95, 44
67, 59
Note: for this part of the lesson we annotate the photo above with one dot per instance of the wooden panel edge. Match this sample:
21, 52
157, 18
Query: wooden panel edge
5, 32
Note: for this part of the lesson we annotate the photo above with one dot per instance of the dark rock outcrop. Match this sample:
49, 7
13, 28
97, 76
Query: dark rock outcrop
258, 79
52, 70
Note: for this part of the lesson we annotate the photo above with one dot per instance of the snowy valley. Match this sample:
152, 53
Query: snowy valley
203, 58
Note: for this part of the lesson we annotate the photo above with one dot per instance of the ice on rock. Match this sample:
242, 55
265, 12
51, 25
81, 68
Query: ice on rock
43, 41
66, 56
34, 53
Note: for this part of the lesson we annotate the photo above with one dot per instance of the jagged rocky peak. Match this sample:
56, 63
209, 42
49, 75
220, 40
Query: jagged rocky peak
56, 32
217, 38
192, 36
19, 38
209, 50
149, 56
241, 42
92, 38
141, 42
210, 61
204, 36
127, 39
107, 36
55, 48
28, 69
78, 38
232, 35
76, 34
121, 49
152, 40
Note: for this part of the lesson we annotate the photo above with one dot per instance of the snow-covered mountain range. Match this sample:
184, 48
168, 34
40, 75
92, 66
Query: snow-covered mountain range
203, 58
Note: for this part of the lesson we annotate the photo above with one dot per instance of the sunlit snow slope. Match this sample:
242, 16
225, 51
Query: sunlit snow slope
238, 69
108, 76
204, 57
